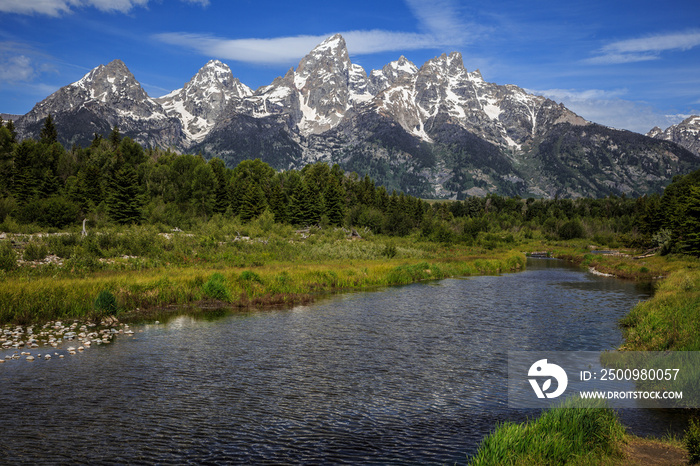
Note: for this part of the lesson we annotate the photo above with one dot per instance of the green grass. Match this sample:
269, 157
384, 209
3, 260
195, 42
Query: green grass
144, 268
669, 320
577, 432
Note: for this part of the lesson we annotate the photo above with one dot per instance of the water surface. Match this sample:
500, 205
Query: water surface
411, 374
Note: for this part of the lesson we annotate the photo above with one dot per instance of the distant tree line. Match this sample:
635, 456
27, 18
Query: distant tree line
117, 180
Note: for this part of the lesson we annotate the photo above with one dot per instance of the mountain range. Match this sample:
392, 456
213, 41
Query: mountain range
438, 131
685, 133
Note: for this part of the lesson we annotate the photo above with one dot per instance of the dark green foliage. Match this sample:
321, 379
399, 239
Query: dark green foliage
692, 441
221, 195
114, 179
301, 209
124, 204
335, 203
571, 230
253, 201
215, 288
115, 137
204, 190
106, 303
56, 211
690, 226
250, 276
48, 134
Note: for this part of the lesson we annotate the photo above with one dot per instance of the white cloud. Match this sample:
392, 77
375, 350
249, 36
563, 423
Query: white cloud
60, 7
280, 50
645, 48
439, 18
16, 68
609, 109
438, 21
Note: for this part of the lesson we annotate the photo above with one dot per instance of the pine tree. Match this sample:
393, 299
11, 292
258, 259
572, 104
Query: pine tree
335, 203
115, 137
48, 134
204, 190
277, 202
11, 127
691, 222
124, 203
221, 192
253, 202
300, 209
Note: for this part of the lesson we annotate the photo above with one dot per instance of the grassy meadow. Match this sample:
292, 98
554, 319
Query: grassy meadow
152, 271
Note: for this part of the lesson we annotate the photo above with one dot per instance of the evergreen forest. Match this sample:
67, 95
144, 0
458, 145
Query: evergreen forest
46, 187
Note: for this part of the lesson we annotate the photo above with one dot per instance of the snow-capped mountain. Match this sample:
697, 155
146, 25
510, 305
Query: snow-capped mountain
106, 96
685, 133
434, 131
200, 102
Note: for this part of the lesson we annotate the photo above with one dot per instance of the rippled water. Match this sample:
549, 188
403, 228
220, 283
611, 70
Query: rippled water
412, 374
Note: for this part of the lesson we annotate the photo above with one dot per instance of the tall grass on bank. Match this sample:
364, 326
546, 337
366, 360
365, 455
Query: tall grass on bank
670, 319
43, 298
576, 432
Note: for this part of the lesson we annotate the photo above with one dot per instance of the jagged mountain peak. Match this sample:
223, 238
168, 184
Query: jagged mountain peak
686, 134
438, 130
330, 56
323, 80
334, 44
114, 75
445, 65
200, 102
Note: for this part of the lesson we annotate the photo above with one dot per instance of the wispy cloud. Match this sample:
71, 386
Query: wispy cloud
280, 50
61, 7
20, 63
439, 27
645, 48
607, 107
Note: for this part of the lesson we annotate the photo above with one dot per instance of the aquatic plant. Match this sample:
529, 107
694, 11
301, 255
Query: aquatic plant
106, 303
215, 288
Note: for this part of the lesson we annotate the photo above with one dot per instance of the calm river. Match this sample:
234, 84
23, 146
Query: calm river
412, 374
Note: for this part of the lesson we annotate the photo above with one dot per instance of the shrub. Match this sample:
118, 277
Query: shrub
215, 288
692, 441
571, 230
35, 252
389, 251
8, 257
247, 275
106, 303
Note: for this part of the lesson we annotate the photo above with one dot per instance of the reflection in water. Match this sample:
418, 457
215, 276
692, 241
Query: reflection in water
406, 374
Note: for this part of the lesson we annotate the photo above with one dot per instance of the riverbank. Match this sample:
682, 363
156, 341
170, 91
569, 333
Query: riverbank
666, 322
149, 273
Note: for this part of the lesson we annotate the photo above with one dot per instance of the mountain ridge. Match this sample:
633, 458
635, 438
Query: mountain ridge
685, 134
434, 131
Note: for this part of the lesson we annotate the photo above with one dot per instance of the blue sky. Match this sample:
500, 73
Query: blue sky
626, 64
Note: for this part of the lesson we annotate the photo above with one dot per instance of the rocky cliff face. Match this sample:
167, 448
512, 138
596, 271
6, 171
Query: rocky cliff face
685, 133
199, 103
107, 96
434, 131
